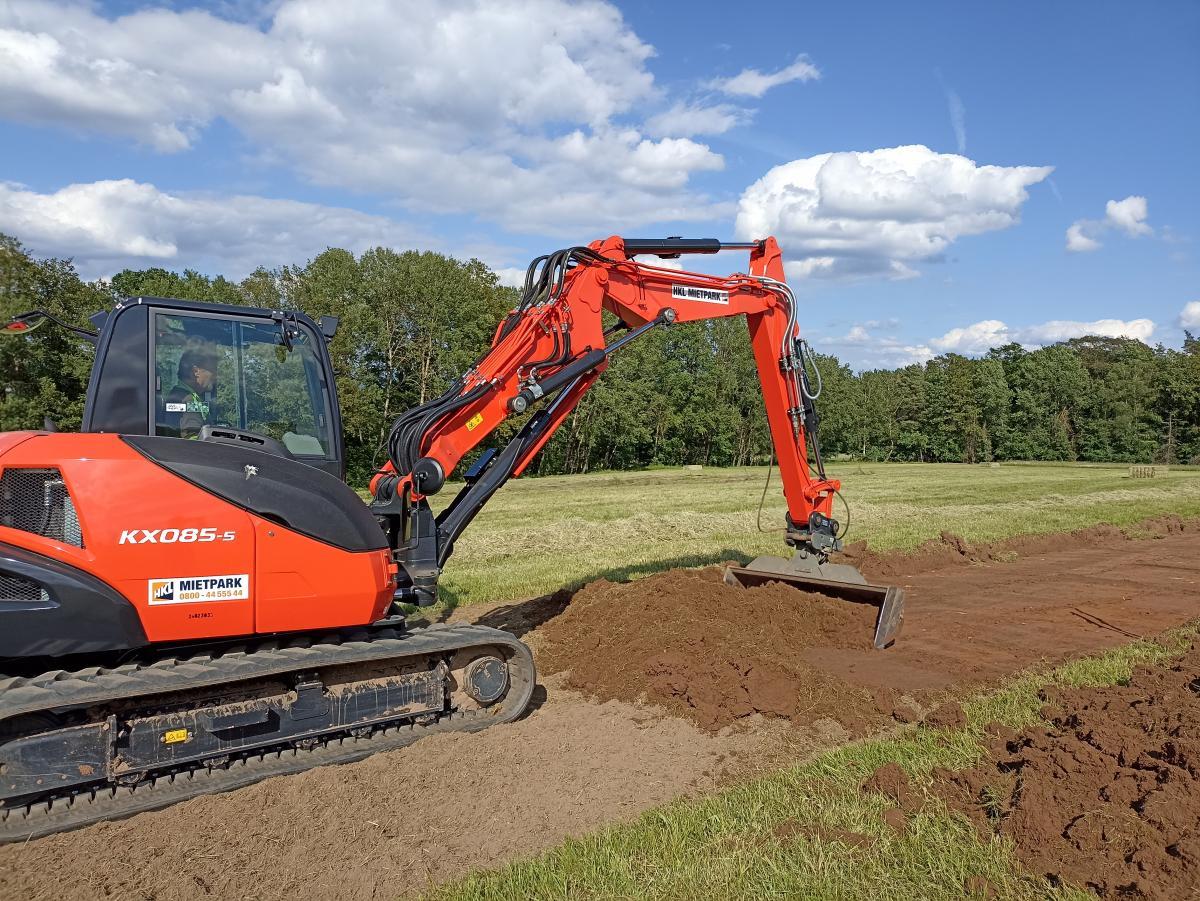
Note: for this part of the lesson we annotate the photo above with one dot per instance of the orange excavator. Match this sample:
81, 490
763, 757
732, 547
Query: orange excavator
192, 599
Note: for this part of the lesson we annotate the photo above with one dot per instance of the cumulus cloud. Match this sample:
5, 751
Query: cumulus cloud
108, 225
981, 336
689, 119
873, 344
870, 350
512, 276
1078, 242
508, 111
875, 213
1128, 216
755, 83
1189, 317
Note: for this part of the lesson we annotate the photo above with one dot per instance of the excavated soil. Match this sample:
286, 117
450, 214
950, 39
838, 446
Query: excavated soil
1107, 796
716, 653
791, 671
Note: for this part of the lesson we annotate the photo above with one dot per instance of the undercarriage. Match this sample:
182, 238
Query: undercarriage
100, 743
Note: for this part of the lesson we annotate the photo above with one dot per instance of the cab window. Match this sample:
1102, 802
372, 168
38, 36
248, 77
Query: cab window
239, 373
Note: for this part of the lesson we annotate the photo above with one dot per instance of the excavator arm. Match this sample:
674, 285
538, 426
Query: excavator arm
551, 349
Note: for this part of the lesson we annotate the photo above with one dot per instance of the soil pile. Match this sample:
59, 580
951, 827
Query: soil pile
712, 652
1108, 796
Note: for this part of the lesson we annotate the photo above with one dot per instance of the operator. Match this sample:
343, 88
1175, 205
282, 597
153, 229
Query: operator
197, 378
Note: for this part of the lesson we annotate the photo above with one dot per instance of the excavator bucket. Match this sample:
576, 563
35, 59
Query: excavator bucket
836, 580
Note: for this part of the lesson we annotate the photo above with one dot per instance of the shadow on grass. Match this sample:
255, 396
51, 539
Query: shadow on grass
522, 617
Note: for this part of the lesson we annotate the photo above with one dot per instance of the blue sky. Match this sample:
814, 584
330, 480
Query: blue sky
942, 176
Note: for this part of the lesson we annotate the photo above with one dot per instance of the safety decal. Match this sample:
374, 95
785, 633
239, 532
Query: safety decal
704, 295
176, 408
474, 422
198, 589
175, 736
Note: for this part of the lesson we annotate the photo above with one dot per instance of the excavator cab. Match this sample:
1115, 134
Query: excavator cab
254, 378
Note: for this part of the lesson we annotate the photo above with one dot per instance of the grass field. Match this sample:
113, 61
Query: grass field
537, 535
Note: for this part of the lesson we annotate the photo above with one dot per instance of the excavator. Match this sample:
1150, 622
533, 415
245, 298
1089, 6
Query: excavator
191, 597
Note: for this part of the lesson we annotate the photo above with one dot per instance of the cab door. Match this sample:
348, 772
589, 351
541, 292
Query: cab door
273, 376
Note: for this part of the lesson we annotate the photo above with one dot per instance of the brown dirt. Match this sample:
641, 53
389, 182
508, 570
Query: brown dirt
1108, 795
395, 822
945, 716
897, 819
716, 653
892, 782
971, 618
950, 550
390, 825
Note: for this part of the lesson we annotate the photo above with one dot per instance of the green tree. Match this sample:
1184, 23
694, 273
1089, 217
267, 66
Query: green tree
190, 285
44, 374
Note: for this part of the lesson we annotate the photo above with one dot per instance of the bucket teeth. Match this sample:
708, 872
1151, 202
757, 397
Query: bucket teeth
831, 579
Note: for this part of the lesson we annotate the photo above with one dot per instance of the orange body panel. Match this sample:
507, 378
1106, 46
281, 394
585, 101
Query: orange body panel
305, 581
151, 535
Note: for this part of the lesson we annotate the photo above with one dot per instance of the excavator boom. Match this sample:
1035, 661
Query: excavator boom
554, 346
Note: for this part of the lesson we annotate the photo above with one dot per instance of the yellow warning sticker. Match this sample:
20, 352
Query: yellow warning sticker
474, 422
175, 736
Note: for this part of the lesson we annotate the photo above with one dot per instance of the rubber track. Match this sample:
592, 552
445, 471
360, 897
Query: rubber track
88, 687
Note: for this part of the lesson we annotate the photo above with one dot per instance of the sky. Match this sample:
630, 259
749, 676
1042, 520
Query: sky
941, 176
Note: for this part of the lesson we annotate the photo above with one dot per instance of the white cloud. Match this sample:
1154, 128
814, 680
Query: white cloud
1189, 317
973, 339
755, 83
981, 336
506, 111
1128, 215
687, 120
651, 260
1078, 242
108, 225
865, 348
512, 276
1064, 329
873, 213
871, 351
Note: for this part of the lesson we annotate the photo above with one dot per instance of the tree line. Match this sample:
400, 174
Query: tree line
413, 321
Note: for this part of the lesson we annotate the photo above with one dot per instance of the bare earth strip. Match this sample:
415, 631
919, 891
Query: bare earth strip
392, 824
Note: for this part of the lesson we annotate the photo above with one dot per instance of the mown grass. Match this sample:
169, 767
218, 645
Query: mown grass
537, 535
777, 836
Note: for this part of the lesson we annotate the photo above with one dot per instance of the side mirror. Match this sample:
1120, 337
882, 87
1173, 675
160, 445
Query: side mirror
329, 327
